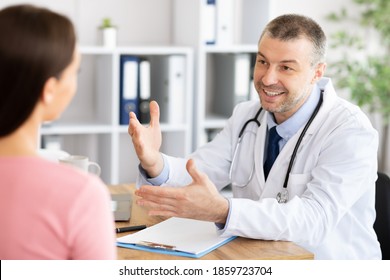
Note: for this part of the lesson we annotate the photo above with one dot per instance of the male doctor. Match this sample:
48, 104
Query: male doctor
320, 190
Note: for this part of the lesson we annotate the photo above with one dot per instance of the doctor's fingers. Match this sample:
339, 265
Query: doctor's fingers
154, 114
142, 142
176, 209
201, 182
147, 191
197, 176
168, 196
156, 205
161, 207
151, 200
134, 125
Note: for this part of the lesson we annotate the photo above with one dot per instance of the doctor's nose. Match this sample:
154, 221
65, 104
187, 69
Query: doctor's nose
270, 77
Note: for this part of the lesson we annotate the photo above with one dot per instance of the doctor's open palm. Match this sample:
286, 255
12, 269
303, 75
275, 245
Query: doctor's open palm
199, 200
147, 140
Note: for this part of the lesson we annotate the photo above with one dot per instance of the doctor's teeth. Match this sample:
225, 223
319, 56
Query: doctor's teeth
272, 93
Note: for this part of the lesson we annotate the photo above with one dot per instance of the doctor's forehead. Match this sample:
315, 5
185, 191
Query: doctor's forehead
290, 51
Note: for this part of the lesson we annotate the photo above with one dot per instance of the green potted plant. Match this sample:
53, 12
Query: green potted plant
109, 32
364, 72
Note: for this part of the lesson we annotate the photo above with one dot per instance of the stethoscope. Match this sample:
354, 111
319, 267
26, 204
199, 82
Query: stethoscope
282, 196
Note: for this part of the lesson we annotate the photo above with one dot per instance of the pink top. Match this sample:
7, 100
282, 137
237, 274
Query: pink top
52, 211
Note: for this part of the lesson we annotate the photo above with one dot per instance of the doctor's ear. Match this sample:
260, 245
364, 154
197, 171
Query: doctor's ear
319, 72
49, 90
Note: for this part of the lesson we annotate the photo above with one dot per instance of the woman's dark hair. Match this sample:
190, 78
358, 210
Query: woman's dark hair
35, 44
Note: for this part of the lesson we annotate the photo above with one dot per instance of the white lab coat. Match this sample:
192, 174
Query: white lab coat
331, 209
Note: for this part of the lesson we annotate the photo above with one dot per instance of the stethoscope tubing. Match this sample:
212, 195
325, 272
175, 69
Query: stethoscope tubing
297, 145
254, 119
303, 133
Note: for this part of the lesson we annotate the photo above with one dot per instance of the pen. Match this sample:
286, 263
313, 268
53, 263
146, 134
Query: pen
125, 229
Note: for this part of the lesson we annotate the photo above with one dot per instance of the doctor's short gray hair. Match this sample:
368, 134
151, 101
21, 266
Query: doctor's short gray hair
292, 26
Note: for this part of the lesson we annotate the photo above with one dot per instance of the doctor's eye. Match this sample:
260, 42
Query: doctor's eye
262, 62
286, 68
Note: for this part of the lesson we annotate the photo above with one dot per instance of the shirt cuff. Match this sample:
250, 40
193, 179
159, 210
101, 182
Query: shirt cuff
161, 178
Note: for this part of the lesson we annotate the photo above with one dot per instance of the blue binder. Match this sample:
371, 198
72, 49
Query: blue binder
128, 87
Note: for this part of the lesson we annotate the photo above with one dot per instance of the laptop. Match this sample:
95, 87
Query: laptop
121, 206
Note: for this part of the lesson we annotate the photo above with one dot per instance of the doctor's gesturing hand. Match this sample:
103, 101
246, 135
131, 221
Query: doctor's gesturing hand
198, 200
147, 140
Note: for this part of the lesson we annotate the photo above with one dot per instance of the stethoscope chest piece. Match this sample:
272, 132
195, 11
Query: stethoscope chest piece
282, 196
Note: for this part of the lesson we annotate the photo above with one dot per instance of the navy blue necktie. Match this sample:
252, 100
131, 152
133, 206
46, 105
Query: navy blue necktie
272, 150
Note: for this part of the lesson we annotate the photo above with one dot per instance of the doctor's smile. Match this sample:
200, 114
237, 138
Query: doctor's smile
272, 93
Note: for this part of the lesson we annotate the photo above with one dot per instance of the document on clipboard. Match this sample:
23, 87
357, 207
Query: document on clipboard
176, 236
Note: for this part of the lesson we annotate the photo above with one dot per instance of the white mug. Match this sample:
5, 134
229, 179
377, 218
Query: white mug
82, 162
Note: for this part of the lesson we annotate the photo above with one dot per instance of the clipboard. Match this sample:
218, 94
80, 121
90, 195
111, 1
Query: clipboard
176, 236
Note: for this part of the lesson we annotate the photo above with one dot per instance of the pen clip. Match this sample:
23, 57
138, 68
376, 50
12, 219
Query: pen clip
156, 245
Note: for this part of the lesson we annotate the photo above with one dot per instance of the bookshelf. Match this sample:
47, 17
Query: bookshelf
90, 126
246, 20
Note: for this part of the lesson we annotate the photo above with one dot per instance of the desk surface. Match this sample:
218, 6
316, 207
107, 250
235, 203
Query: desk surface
238, 249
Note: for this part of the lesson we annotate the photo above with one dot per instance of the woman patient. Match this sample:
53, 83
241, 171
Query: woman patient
47, 210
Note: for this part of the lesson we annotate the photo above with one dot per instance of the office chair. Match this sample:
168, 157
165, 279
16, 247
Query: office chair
382, 206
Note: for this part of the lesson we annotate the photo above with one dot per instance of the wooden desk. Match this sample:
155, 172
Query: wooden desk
238, 249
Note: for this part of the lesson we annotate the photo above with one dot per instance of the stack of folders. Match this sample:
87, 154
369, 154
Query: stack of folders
135, 88
232, 82
176, 236
168, 87
217, 22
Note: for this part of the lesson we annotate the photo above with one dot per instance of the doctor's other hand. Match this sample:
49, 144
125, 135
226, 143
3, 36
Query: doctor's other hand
147, 141
199, 200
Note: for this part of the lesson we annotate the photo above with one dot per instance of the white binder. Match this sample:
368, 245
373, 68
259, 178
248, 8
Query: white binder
169, 81
208, 22
225, 22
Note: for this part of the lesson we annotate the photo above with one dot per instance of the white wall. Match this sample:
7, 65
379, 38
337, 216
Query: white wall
139, 22
148, 21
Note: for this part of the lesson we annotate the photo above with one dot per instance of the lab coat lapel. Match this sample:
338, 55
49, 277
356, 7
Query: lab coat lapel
259, 150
